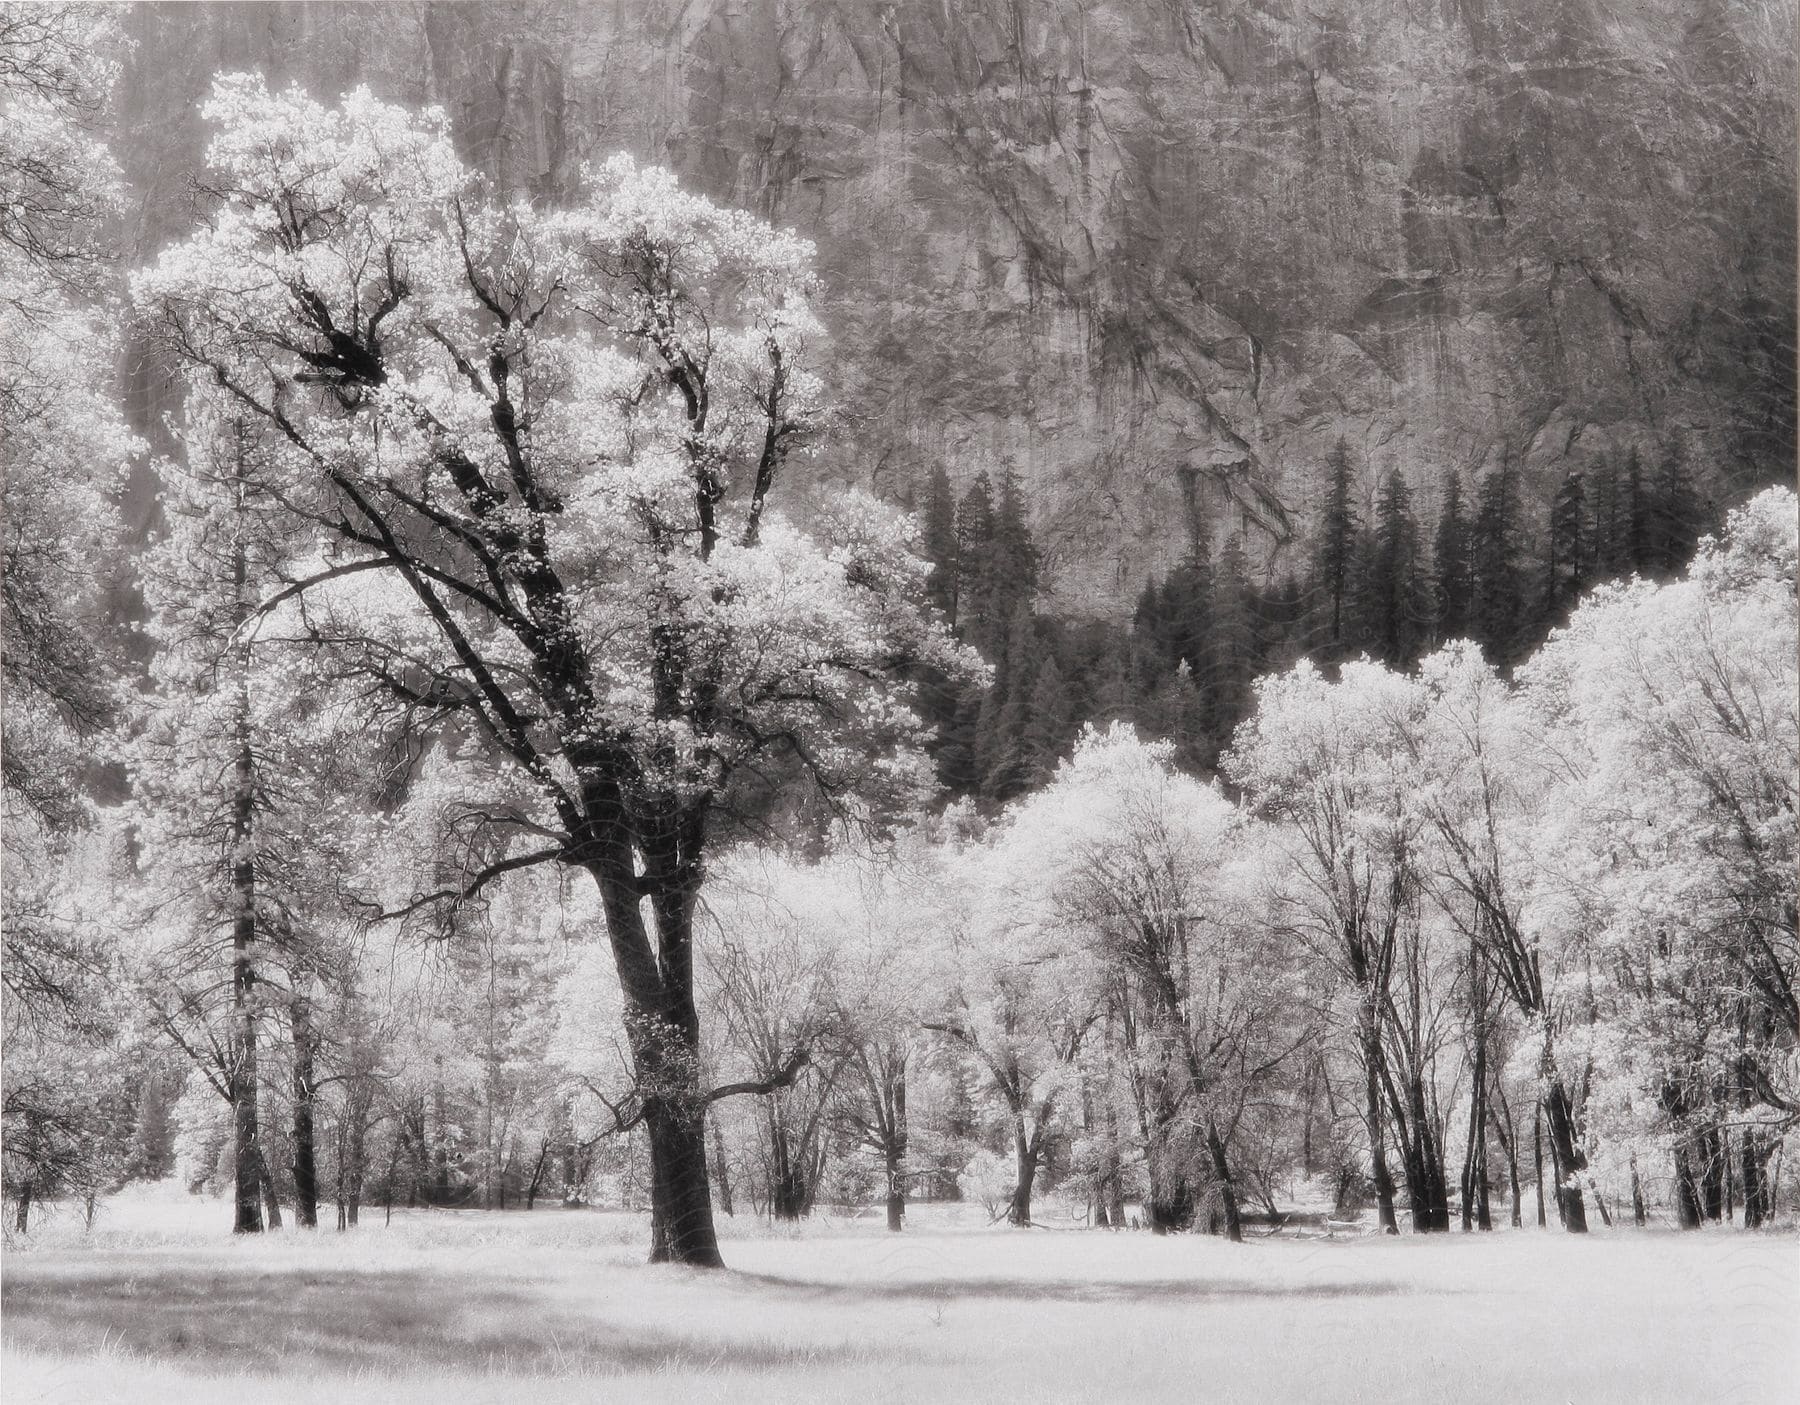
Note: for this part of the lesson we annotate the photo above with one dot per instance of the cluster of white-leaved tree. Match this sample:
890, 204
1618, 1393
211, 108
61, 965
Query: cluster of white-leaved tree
516, 792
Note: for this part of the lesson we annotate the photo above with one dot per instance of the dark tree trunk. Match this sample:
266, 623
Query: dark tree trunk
537, 1172
897, 1145
787, 1192
1379, 1174
1426, 1183
1712, 1174
242, 1086
1639, 1215
721, 1169
1234, 1225
1565, 1151
1500, 1117
1474, 1172
1687, 1190
1025, 1164
681, 1217
1759, 1186
340, 1186
22, 1211
241, 1074
1537, 1158
659, 998
305, 1167
271, 1201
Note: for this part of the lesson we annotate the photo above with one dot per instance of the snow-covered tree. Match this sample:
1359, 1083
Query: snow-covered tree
1672, 710
63, 447
560, 434
1140, 867
1327, 760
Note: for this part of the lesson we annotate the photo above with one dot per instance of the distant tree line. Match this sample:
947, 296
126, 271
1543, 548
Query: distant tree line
1375, 577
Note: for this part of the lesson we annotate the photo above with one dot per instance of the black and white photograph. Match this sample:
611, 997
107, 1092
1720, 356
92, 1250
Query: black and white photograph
1002, 702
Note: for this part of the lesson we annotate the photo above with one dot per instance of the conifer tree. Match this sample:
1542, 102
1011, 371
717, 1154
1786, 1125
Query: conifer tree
1635, 519
1049, 721
1608, 549
1334, 567
1233, 656
1396, 594
1453, 565
1187, 606
1673, 516
1498, 574
1569, 565
1016, 555
938, 528
976, 566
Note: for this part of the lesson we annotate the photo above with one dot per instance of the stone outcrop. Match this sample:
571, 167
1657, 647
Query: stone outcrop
1159, 255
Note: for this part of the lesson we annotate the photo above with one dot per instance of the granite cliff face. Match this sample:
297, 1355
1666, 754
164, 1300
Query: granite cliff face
1159, 255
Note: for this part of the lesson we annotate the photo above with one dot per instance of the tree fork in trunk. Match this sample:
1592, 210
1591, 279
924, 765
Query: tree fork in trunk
1378, 1167
659, 995
1559, 1114
1234, 1225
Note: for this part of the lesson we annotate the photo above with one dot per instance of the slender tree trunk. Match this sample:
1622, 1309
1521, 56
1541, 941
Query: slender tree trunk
1537, 1158
721, 1169
242, 1072
439, 1192
1025, 1164
1502, 1130
359, 1138
271, 1201
1759, 1186
1234, 1225
305, 1167
1378, 1167
340, 1181
22, 1211
1565, 1149
1687, 1190
1474, 1170
1712, 1174
897, 1145
537, 1172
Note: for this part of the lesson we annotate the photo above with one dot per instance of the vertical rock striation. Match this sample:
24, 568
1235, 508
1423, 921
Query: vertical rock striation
1159, 255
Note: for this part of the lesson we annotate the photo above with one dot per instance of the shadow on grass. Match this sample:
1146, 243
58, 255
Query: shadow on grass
1072, 1290
357, 1320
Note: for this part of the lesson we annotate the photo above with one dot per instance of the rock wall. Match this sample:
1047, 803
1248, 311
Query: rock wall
1158, 255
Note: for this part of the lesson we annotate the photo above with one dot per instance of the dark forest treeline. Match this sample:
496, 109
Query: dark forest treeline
1377, 577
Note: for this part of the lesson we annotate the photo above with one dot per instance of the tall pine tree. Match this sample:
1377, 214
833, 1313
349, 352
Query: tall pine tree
938, 526
1499, 575
1395, 593
1335, 557
1569, 565
1453, 565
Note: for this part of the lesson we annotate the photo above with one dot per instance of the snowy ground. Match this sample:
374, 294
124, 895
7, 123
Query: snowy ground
156, 1304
